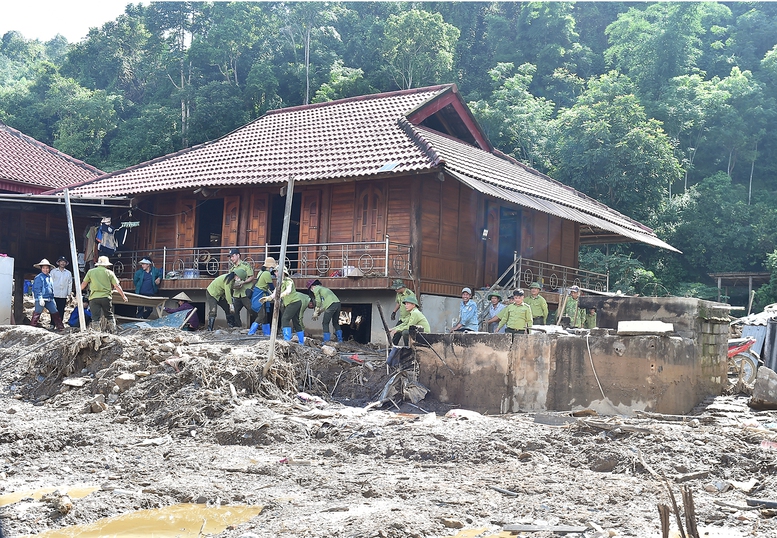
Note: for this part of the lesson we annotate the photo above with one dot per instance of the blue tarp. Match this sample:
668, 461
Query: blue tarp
174, 321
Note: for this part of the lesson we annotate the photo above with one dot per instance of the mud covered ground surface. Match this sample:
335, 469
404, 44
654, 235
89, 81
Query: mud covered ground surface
160, 417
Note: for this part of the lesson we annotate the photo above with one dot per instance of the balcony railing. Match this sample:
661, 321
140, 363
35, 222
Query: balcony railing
553, 276
369, 259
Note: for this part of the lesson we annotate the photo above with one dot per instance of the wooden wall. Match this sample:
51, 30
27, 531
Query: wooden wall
548, 238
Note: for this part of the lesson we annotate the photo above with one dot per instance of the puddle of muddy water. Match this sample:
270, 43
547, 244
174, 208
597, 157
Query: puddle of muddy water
74, 492
179, 521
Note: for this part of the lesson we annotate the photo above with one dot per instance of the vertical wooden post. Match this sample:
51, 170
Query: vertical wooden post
74, 257
281, 265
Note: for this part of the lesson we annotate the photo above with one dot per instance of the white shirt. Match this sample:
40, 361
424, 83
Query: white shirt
62, 280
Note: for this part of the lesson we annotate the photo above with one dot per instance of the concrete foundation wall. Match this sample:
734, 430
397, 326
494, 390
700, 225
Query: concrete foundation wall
604, 371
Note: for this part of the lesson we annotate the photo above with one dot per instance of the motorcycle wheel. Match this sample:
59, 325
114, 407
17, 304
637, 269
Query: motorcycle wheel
749, 366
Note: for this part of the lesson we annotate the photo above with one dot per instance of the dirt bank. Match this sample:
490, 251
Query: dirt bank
160, 417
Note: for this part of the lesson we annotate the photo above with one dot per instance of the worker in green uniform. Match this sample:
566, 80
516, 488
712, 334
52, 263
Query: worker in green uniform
590, 318
328, 303
306, 303
219, 294
414, 318
538, 304
242, 288
102, 281
402, 294
291, 308
263, 287
575, 316
516, 317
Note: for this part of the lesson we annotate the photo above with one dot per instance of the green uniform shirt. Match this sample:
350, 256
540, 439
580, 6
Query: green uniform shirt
264, 281
416, 317
305, 298
403, 313
245, 289
575, 314
219, 289
290, 291
101, 281
590, 321
324, 298
539, 307
517, 317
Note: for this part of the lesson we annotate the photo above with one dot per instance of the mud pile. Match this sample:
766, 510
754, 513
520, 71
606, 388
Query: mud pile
159, 417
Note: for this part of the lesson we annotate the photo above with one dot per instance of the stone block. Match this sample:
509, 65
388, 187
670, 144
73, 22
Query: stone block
765, 389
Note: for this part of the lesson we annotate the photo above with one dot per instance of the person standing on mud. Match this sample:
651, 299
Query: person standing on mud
468, 313
328, 303
242, 288
414, 318
291, 308
402, 294
495, 306
538, 304
62, 280
146, 281
516, 317
263, 288
43, 293
219, 294
102, 281
573, 316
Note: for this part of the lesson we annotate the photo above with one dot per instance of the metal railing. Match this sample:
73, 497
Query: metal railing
316, 260
523, 271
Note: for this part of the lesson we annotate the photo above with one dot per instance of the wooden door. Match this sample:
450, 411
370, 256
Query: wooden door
257, 219
492, 246
310, 218
370, 221
186, 229
229, 225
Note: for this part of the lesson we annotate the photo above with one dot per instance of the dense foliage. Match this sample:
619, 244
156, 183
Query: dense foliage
660, 110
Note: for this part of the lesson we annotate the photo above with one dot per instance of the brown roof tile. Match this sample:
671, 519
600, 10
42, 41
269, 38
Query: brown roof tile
30, 166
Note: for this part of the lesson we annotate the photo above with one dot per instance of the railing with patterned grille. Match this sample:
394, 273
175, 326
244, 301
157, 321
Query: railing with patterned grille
372, 258
551, 276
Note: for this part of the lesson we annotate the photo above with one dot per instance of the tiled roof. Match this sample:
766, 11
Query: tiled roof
513, 181
359, 137
27, 165
339, 139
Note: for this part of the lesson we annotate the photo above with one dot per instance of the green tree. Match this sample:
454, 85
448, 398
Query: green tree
343, 82
609, 149
418, 48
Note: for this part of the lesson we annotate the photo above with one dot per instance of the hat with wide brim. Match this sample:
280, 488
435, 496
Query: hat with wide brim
103, 261
495, 294
270, 262
43, 262
411, 299
397, 284
182, 297
145, 260
240, 273
313, 282
62, 259
535, 286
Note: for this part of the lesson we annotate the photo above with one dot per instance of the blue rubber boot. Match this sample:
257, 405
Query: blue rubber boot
339, 334
266, 329
253, 329
287, 333
301, 337
327, 337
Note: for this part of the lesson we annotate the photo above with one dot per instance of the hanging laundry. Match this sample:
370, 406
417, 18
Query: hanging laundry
106, 238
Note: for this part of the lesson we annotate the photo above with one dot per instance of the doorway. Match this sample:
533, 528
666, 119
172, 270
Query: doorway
210, 218
509, 237
277, 211
356, 322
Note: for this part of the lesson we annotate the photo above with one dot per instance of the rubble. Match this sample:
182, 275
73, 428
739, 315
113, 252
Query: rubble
193, 421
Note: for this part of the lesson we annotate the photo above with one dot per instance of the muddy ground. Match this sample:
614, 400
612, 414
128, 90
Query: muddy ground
165, 417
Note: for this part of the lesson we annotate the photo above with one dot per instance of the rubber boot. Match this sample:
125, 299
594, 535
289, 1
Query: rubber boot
231, 321
253, 329
211, 322
35, 318
327, 337
266, 329
339, 334
57, 319
301, 337
287, 333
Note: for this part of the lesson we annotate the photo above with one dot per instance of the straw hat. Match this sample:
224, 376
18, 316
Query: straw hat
103, 261
270, 262
182, 297
44, 261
